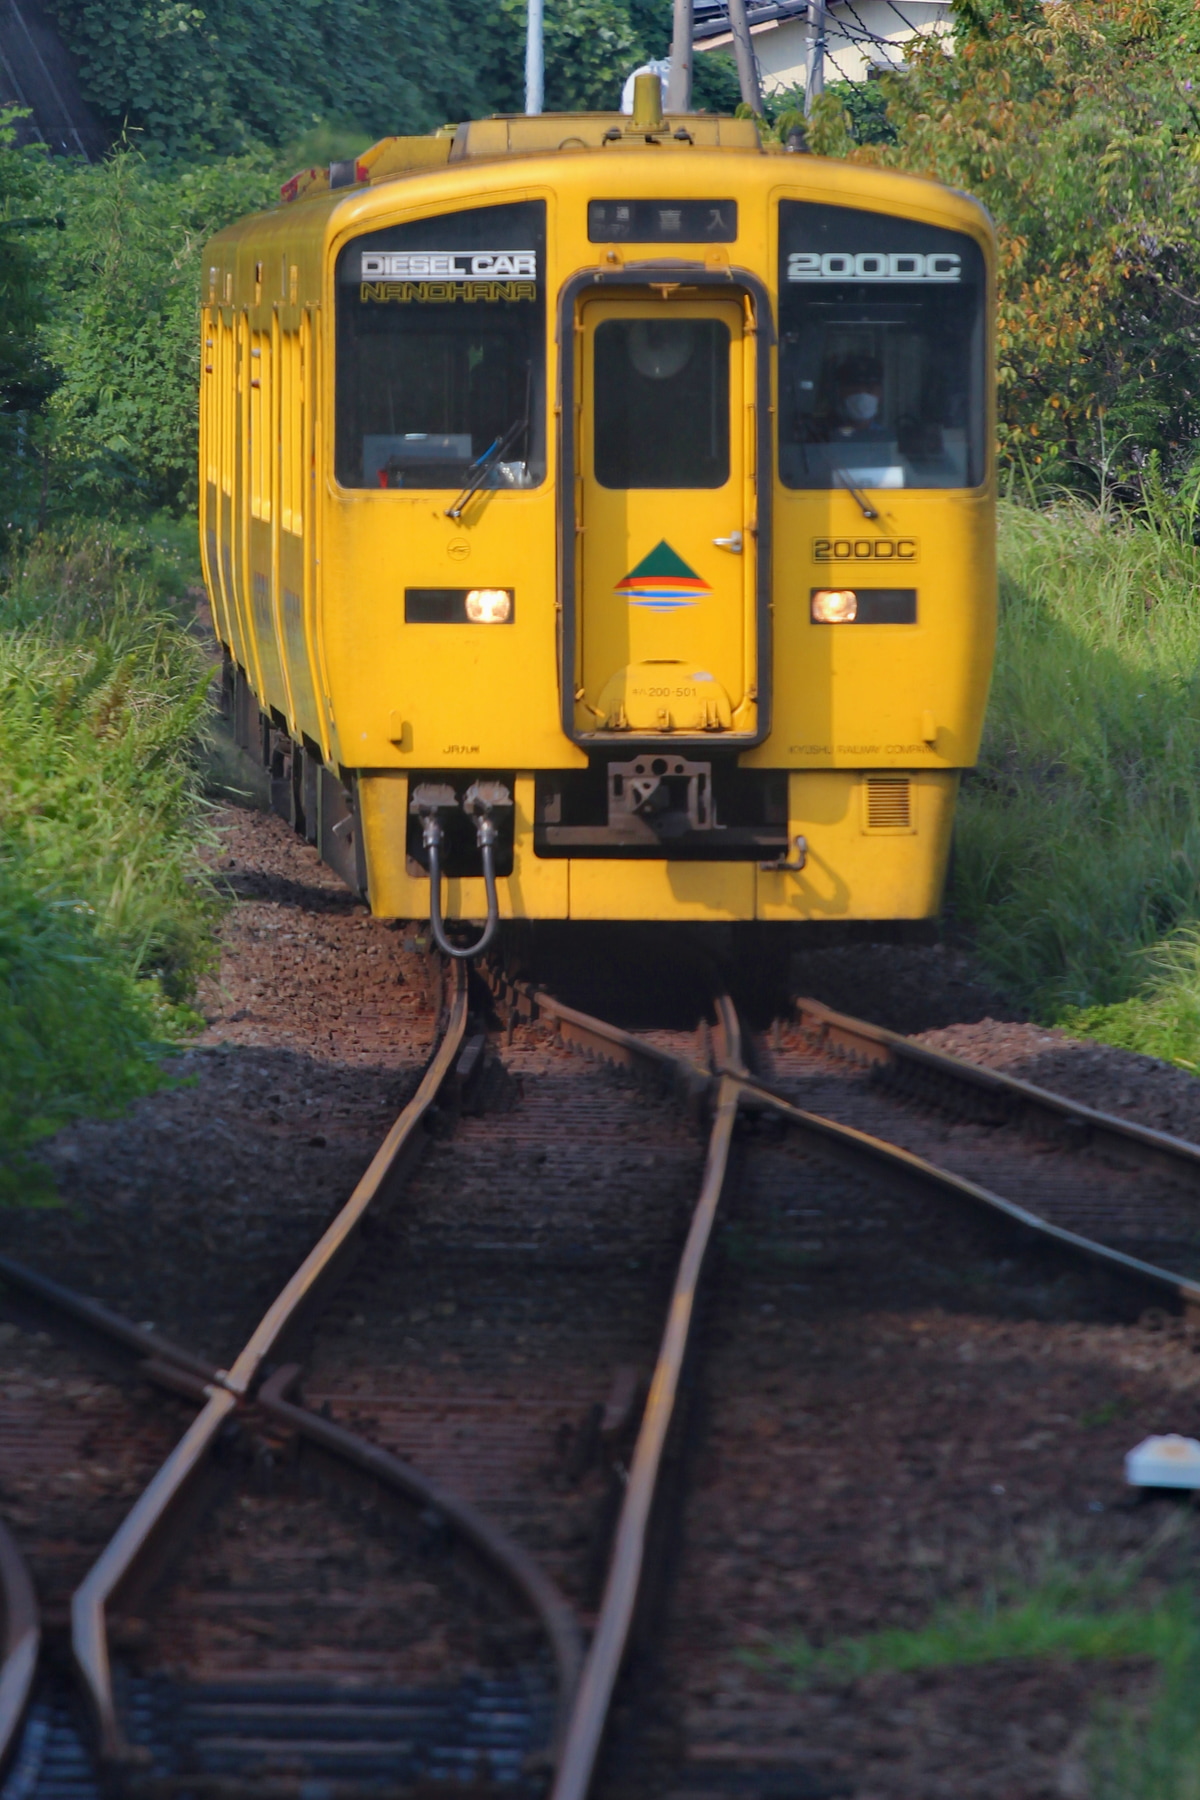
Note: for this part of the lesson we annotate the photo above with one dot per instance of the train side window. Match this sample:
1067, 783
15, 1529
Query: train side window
441, 351
291, 430
661, 403
881, 354
260, 425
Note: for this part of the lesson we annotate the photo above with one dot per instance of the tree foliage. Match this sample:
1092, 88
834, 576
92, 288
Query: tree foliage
1076, 123
123, 288
589, 48
219, 78
199, 80
25, 378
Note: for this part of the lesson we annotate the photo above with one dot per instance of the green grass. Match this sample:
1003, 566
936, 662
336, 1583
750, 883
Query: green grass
106, 910
1153, 1753
1065, 1615
1144, 1752
1078, 846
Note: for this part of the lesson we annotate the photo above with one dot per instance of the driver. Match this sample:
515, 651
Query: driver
858, 398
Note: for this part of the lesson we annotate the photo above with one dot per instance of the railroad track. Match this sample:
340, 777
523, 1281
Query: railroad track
209, 1736
531, 1522
1064, 1169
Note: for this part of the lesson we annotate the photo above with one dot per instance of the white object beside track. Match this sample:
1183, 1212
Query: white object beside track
1170, 1461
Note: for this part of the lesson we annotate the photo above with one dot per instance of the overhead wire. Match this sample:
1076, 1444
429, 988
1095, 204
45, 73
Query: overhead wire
866, 35
917, 30
853, 30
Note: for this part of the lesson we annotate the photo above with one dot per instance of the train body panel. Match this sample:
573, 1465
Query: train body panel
424, 694
856, 696
646, 481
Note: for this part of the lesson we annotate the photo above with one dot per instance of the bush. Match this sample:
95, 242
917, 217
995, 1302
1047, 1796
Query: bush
1078, 841
1078, 127
102, 692
106, 908
25, 379
123, 284
77, 1034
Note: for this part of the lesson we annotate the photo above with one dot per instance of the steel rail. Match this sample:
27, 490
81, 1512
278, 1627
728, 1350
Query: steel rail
597, 1037
557, 1617
737, 1087
103, 1319
586, 1728
179, 1373
585, 1731
919, 1063
756, 1095
731, 1087
149, 1517
580, 1028
21, 1640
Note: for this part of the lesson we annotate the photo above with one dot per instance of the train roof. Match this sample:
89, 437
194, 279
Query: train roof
549, 144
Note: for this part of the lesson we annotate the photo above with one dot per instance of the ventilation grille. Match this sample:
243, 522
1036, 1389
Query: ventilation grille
889, 803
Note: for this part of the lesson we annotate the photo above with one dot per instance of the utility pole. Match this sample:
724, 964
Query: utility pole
814, 73
534, 64
679, 81
743, 50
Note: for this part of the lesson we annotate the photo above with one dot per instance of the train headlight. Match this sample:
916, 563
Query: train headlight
833, 606
489, 606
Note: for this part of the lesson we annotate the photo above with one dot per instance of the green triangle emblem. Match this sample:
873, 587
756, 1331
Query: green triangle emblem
662, 560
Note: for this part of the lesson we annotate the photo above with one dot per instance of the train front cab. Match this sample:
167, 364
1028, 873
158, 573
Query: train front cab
671, 517
771, 631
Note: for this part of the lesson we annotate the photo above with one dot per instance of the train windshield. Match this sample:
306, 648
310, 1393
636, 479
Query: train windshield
881, 362
441, 352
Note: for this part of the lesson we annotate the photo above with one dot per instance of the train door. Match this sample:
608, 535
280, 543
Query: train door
665, 515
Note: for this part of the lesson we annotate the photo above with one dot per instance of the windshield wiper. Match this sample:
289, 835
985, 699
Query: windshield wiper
496, 451
868, 511
478, 472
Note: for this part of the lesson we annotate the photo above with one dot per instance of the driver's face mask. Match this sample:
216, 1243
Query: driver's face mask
861, 407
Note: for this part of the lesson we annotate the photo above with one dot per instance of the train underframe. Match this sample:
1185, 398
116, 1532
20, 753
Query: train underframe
655, 836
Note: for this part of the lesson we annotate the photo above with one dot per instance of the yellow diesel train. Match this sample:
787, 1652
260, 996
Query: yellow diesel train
598, 516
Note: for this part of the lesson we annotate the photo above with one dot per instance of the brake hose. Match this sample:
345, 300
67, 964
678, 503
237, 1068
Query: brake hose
485, 837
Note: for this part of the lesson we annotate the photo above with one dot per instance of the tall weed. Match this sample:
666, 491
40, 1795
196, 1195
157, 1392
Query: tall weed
77, 1033
1153, 1753
106, 907
1078, 846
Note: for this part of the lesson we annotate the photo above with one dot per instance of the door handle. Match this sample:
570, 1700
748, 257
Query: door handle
732, 542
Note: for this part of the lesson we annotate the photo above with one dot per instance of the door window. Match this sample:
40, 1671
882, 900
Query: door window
661, 403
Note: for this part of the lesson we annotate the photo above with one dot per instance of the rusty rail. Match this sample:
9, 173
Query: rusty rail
179, 1376
918, 1066
150, 1517
556, 1616
603, 1664
737, 1087
103, 1320
848, 1137
21, 1639
585, 1730
725, 1087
